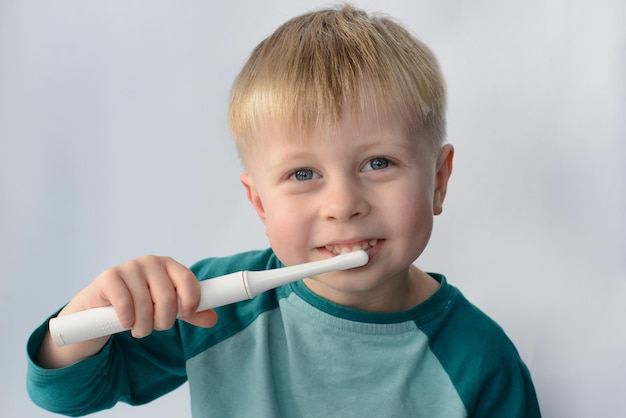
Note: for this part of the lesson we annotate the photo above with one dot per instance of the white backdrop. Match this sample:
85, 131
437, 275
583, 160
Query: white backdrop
113, 144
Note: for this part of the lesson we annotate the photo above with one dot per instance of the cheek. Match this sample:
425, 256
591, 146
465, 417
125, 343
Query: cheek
287, 229
411, 196
414, 216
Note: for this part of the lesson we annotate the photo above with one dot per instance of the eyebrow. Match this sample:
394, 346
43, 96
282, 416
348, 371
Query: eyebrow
303, 153
278, 162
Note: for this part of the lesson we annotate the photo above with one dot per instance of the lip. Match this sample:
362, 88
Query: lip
330, 250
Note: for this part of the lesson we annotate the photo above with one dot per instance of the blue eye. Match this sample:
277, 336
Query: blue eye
303, 174
377, 163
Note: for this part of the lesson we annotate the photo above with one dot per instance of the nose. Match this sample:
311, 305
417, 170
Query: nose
343, 200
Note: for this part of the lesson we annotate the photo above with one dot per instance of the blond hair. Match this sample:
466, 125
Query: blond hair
317, 65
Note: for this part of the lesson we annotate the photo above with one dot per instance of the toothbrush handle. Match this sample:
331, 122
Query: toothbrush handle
84, 325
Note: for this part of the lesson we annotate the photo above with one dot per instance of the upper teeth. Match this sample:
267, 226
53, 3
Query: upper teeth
356, 247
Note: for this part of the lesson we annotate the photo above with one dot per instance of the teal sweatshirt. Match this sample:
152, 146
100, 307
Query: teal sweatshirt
290, 353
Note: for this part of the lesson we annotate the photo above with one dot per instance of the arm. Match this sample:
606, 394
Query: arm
508, 391
125, 370
133, 367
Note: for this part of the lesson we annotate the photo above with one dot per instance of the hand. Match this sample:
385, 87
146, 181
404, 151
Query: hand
146, 294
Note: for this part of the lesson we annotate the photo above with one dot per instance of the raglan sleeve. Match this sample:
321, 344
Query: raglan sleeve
482, 361
507, 390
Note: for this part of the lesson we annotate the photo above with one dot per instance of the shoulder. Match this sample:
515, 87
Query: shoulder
249, 260
454, 317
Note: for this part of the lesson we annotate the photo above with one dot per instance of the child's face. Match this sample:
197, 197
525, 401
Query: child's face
365, 185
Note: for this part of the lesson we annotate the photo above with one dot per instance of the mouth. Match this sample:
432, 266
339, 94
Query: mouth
339, 249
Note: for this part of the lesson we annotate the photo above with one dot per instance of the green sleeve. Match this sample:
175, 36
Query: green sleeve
507, 391
127, 370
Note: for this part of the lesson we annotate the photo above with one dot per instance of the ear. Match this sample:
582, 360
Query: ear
444, 170
253, 195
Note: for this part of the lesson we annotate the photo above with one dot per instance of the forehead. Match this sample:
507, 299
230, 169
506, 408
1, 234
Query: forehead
353, 123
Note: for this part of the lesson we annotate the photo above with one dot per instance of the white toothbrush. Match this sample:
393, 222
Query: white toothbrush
218, 291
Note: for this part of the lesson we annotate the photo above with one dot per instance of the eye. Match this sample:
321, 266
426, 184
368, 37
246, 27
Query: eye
303, 174
377, 163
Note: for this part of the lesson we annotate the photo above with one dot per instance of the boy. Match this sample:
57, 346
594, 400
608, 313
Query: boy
339, 120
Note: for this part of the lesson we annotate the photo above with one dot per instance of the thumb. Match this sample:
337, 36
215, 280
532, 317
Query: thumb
204, 319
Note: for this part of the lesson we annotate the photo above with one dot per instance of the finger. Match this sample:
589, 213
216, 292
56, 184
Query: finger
205, 319
163, 294
186, 285
109, 288
134, 276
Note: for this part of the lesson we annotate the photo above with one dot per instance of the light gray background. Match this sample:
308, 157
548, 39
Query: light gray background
113, 144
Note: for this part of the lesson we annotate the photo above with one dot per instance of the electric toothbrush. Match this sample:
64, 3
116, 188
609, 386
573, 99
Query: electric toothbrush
218, 291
